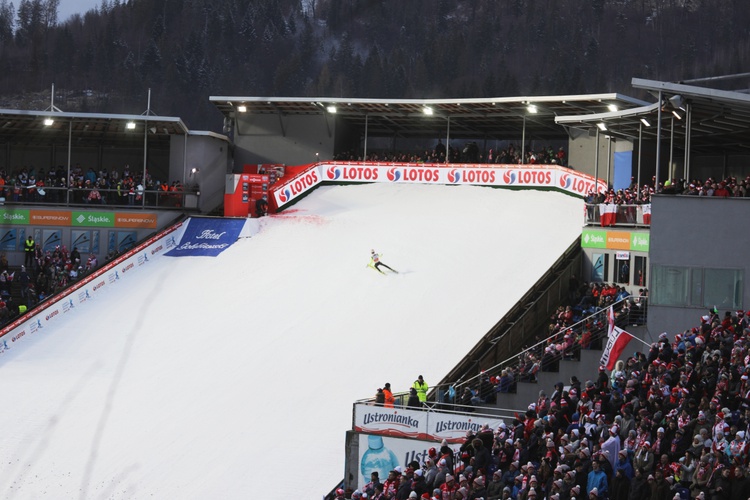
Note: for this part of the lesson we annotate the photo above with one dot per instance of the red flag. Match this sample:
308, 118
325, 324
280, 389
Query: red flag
617, 340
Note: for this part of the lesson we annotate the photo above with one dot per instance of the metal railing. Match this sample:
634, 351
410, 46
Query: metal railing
63, 196
446, 394
625, 215
522, 322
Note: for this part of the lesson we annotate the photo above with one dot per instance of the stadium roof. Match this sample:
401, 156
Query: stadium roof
498, 118
23, 127
716, 121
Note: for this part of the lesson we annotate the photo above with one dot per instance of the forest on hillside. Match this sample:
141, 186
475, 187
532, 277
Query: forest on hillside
187, 50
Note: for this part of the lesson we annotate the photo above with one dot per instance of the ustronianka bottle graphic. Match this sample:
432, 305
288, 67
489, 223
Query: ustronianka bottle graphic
377, 458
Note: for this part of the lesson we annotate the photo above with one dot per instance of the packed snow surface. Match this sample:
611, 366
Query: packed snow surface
222, 377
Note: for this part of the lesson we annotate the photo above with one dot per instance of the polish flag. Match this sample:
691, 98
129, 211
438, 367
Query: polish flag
617, 340
647, 214
607, 214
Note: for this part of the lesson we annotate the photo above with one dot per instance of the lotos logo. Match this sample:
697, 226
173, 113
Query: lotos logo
98, 285
565, 181
577, 185
333, 173
531, 177
478, 176
394, 175
285, 195
52, 314
418, 174
299, 185
128, 267
454, 176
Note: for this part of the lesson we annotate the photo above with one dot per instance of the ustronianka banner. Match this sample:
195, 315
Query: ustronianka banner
207, 237
383, 454
417, 424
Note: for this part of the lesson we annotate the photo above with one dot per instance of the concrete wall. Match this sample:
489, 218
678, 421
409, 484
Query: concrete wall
209, 154
582, 154
697, 232
283, 139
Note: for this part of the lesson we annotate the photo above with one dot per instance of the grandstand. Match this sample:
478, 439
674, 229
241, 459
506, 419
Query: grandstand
452, 290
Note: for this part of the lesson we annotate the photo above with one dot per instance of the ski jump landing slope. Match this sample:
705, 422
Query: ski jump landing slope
221, 377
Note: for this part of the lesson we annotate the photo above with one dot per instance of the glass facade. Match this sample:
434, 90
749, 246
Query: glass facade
697, 287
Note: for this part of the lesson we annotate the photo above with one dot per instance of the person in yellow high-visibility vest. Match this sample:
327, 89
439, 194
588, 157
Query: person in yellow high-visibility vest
421, 387
29, 247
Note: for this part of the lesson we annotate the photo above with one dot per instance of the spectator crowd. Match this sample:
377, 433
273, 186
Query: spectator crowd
126, 186
468, 153
668, 423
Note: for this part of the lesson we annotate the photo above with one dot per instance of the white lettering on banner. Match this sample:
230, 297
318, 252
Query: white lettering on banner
210, 234
552, 176
204, 246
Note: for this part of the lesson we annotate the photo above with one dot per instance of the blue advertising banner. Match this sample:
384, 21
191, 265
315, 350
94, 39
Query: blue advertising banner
51, 239
80, 240
207, 237
126, 240
8, 240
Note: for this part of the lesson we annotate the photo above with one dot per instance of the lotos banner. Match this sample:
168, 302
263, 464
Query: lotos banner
207, 237
513, 176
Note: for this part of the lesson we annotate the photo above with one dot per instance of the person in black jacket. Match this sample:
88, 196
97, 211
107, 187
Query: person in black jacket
639, 487
620, 488
413, 401
482, 458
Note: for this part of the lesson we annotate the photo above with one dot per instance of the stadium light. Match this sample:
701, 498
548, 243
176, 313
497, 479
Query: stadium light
131, 125
427, 110
48, 122
645, 122
331, 109
532, 109
612, 108
242, 108
601, 126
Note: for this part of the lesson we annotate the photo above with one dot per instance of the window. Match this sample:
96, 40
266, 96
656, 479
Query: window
639, 271
669, 286
723, 288
697, 287
622, 271
600, 269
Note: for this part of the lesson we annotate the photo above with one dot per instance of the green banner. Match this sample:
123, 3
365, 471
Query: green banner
640, 241
593, 239
13, 216
93, 219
